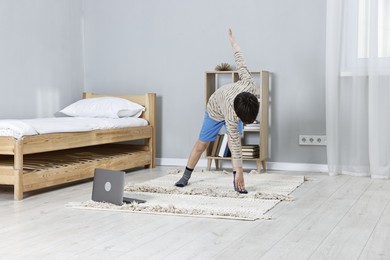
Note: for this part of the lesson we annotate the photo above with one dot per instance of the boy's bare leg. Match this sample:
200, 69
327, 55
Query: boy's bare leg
196, 152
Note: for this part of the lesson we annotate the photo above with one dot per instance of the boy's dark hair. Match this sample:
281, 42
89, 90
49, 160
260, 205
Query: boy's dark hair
246, 107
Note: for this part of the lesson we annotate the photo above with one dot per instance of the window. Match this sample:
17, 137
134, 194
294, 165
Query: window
374, 23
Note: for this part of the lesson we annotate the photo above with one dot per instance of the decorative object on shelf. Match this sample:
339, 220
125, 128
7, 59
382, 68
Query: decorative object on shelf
223, 67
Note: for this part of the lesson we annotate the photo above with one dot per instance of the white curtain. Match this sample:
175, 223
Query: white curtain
358, 87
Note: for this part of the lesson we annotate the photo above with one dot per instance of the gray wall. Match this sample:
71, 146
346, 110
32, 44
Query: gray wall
165, 47
41, 65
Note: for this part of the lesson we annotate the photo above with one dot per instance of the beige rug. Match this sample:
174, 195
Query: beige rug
209, 194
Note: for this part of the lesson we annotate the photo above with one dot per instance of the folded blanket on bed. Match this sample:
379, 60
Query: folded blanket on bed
16, 128
19, 128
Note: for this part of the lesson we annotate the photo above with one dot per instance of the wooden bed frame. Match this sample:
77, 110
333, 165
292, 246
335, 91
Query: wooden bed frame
40, 161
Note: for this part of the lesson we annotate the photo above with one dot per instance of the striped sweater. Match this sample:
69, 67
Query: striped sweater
221, 105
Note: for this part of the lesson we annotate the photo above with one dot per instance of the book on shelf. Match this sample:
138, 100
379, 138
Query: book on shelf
224, 148
250, 153
253, 154
220, 147
215, 146
250, 156
253, 126
250, 147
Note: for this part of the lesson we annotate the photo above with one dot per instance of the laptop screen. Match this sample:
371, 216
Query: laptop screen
108, 186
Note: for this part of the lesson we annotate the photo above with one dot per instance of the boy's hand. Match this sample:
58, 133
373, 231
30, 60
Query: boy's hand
239, 180
231, 37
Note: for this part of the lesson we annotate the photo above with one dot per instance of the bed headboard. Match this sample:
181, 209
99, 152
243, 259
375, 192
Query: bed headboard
148, 101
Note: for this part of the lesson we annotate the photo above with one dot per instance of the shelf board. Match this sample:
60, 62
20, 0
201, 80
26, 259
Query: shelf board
228, 72
251, 130
229, 158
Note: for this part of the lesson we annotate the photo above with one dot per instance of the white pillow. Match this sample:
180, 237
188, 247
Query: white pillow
111, 107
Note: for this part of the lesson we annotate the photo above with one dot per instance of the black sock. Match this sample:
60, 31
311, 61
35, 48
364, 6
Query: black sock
184, 179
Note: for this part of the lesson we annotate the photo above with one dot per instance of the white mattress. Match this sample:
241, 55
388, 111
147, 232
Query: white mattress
20, 128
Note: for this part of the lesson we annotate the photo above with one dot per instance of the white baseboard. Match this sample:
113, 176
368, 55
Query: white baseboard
277, 166
304, 167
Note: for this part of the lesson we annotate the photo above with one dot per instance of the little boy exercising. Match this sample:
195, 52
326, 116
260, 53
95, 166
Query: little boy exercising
229, 106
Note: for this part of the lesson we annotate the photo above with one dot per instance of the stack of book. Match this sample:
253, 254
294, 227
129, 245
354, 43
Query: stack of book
253, 126
250, 151
220, 147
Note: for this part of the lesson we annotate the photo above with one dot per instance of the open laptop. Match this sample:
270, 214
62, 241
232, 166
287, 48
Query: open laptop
108, 186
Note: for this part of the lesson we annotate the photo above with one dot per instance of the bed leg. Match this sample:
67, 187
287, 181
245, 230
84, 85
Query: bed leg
150, 115
151, 147
18, 170
18, 186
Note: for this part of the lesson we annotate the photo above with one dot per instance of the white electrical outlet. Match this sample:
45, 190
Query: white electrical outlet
312, 140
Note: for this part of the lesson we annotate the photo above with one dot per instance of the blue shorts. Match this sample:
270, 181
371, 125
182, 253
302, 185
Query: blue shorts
210, 128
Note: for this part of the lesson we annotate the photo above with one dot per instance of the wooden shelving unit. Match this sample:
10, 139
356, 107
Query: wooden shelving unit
213, 82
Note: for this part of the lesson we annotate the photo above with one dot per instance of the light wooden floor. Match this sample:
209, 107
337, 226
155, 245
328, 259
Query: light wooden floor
332, 218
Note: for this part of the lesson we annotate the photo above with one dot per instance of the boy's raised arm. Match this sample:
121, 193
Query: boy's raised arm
239, 59
233, 41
